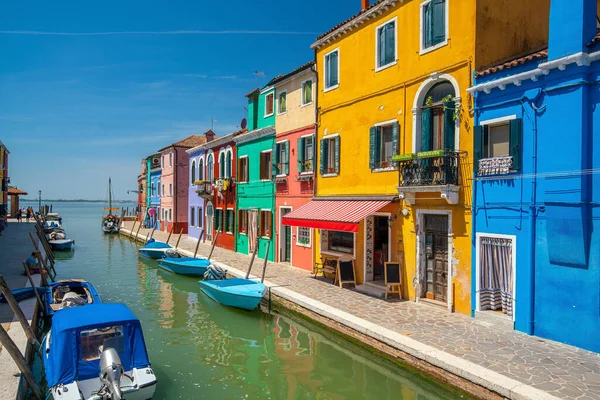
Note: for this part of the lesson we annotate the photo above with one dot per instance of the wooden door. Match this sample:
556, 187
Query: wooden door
436, 257
285, 238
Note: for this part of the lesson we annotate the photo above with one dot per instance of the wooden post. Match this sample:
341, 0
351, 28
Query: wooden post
198, 243
45, 273
252, 259
179, 238
170, 233
37, 295
46, 245
153, 229
17, 357
265, 262
138, 231
48, 262
145, 241
213, 244
14, 305
132, 229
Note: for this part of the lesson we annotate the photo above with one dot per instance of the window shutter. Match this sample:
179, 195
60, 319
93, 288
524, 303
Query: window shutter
287, 157
381, 46
426, 129
438, 21
395, 141
300, 153
428, 25
449, 126
337, 154
390, 43
275, 160
373, 148
324, 151
333, 69
478, 132
314, 153
516, 138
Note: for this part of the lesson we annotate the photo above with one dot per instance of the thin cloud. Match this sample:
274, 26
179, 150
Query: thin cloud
156, 33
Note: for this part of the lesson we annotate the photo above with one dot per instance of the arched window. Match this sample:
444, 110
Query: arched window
222, 165
201, 169
193, 171
438, 118
210, 168
228, 164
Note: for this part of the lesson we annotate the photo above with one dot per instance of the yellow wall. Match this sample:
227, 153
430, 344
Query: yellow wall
296, 116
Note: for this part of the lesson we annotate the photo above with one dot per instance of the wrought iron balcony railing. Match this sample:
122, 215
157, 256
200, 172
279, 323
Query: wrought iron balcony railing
431, 168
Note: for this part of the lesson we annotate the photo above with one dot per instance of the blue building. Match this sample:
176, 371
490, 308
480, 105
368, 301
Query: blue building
198, 190
154, 190
536, 192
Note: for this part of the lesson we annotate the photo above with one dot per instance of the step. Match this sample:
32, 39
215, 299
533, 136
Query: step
371, 290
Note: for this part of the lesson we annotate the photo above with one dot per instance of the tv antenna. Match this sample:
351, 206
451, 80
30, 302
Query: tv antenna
212, 123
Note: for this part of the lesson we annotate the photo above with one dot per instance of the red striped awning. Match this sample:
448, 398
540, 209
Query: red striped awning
335, 215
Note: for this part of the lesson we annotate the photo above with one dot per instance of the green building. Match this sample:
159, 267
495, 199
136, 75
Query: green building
255, 196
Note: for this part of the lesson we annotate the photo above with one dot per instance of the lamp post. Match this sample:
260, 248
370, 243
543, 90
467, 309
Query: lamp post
40, 201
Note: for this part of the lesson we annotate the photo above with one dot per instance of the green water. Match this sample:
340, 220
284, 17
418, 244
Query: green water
201, 350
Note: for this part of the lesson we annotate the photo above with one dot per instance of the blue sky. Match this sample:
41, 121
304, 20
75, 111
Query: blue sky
76, 109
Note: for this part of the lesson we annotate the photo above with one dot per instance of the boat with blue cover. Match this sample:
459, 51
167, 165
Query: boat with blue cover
235, 292
185, 265
97, 352
69, 293
154, 249
62, 244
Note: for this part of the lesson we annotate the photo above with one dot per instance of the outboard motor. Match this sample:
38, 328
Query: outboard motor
111, 371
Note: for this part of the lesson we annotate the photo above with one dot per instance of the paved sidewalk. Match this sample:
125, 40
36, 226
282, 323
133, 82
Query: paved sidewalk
511, 363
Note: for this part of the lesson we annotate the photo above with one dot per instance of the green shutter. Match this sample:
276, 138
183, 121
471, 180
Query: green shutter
373, 148
428, 25
426, 129
337, 155
217, 218
390, 43
438, 21
478, 132
323, 156
275, 160
300, 153
287, 157
395, 141
314, 153
516, 138
449, 126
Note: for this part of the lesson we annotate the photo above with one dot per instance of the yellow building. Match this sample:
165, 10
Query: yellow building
395, 136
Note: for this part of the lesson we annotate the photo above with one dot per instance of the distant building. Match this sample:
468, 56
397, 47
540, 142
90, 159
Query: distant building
198, 191
152, 166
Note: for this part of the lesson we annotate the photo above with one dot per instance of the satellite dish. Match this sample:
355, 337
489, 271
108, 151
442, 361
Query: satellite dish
244, 123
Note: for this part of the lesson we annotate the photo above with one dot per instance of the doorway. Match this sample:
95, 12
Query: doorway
285, 237
210, 212
252, 229
436, 257
378, 237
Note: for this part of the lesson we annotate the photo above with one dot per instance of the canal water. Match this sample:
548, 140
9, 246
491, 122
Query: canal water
201, 350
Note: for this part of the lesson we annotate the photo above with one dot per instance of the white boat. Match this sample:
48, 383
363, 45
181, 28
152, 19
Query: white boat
110, 223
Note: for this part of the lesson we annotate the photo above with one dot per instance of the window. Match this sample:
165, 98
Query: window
306, 154
243, 221
438, 118
341, 241
170, 189
192, 216
170, 159
330, 155
496, 141
222, 165
162, 162
303, 237
332, 70
269, 100
170, 214
307, 92
265, 165
201, 170
152, 189
229, 221
242, 170
266, 221
282, 158
383, 145
94, 340
218, 226
210, 168
282, 103
497, 147
385, 45
158, 213
199, 213
433, 24
193, 171
163, 190
228, 165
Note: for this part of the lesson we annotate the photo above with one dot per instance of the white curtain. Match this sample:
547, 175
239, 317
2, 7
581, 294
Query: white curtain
252, 229
496, 280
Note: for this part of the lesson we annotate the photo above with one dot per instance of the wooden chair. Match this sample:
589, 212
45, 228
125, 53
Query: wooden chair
328, 265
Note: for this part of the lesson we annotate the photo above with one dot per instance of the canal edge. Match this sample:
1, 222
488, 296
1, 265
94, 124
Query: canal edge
452, 370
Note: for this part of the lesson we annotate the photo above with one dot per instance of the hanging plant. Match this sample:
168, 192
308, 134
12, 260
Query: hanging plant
449, 99
429, 101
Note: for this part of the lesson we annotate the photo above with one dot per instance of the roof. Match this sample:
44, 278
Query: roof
301, 68
13, 191
538, 55
225, 139
255, 91
190, 141
255, 134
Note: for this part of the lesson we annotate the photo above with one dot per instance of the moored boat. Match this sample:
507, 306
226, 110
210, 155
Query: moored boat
97, 352
69, 293
235, 292
154, 249
62, 244
185, 265
110, 223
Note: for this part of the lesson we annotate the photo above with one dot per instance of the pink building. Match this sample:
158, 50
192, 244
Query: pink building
174, 182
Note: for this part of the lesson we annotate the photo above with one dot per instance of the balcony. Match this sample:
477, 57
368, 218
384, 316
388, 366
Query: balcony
431, 171
204, 189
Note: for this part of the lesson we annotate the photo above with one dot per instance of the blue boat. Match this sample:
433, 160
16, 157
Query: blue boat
154, 249
69, 293
236, 292
185, 265
97, 352
61, 244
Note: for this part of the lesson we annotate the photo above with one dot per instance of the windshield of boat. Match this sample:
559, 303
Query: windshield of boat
94, 341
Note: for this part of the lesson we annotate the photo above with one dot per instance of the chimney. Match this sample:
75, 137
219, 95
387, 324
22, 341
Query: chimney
365, 4
210, 135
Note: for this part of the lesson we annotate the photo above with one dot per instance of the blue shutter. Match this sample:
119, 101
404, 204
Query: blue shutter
390, 43
449, 126
478, 133
381, 46
516, 138
426, 129
324, 151
287, 157
275, 160
395, 141
337, 155
333, 72
300, 153
438, 21
428, 25
373, 148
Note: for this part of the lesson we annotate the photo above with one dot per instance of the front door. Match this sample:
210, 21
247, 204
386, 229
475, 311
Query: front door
285, 238
209, 222
436, 257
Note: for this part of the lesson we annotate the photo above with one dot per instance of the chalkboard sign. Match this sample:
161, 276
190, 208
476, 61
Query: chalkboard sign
393, 279
346, 272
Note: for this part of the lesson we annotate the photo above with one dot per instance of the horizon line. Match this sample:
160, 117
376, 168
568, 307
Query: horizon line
174, 32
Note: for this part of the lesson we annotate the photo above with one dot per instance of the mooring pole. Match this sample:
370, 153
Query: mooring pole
214, 243
170, 233
37, 295
138, 231
179, 238
265, 262
252, 259
146, 241
153, 229
132, 229
44, 271
198, 243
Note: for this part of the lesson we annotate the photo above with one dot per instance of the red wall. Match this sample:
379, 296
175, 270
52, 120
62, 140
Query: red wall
225, 240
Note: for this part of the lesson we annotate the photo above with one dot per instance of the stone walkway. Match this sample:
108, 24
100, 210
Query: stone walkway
506, 361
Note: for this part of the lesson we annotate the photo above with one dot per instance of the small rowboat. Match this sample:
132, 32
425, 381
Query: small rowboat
236, 292
154, 249
69, 293
185, 265
62, 244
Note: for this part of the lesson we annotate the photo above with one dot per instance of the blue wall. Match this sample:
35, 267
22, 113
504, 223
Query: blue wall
154, 198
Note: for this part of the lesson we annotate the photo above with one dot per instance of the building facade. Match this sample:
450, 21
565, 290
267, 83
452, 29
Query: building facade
152, 162
154, 211
536, 246
196, 194
255, 190
294, 157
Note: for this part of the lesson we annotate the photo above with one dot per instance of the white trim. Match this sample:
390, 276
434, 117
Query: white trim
420, 222
265, 110
330, 136
512, 238
307, 135
281, 235
310, 237
193, 168
265, 151
496, 121
284, 91
282, 141
422, 50
208, 221
381, 68
386, 169
386, 123
389, 255
327, 89
420, 99
312, 89
237, 172
267, 89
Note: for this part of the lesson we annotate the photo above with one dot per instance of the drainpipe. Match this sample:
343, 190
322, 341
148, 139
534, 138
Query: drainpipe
315, 147
474, 225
